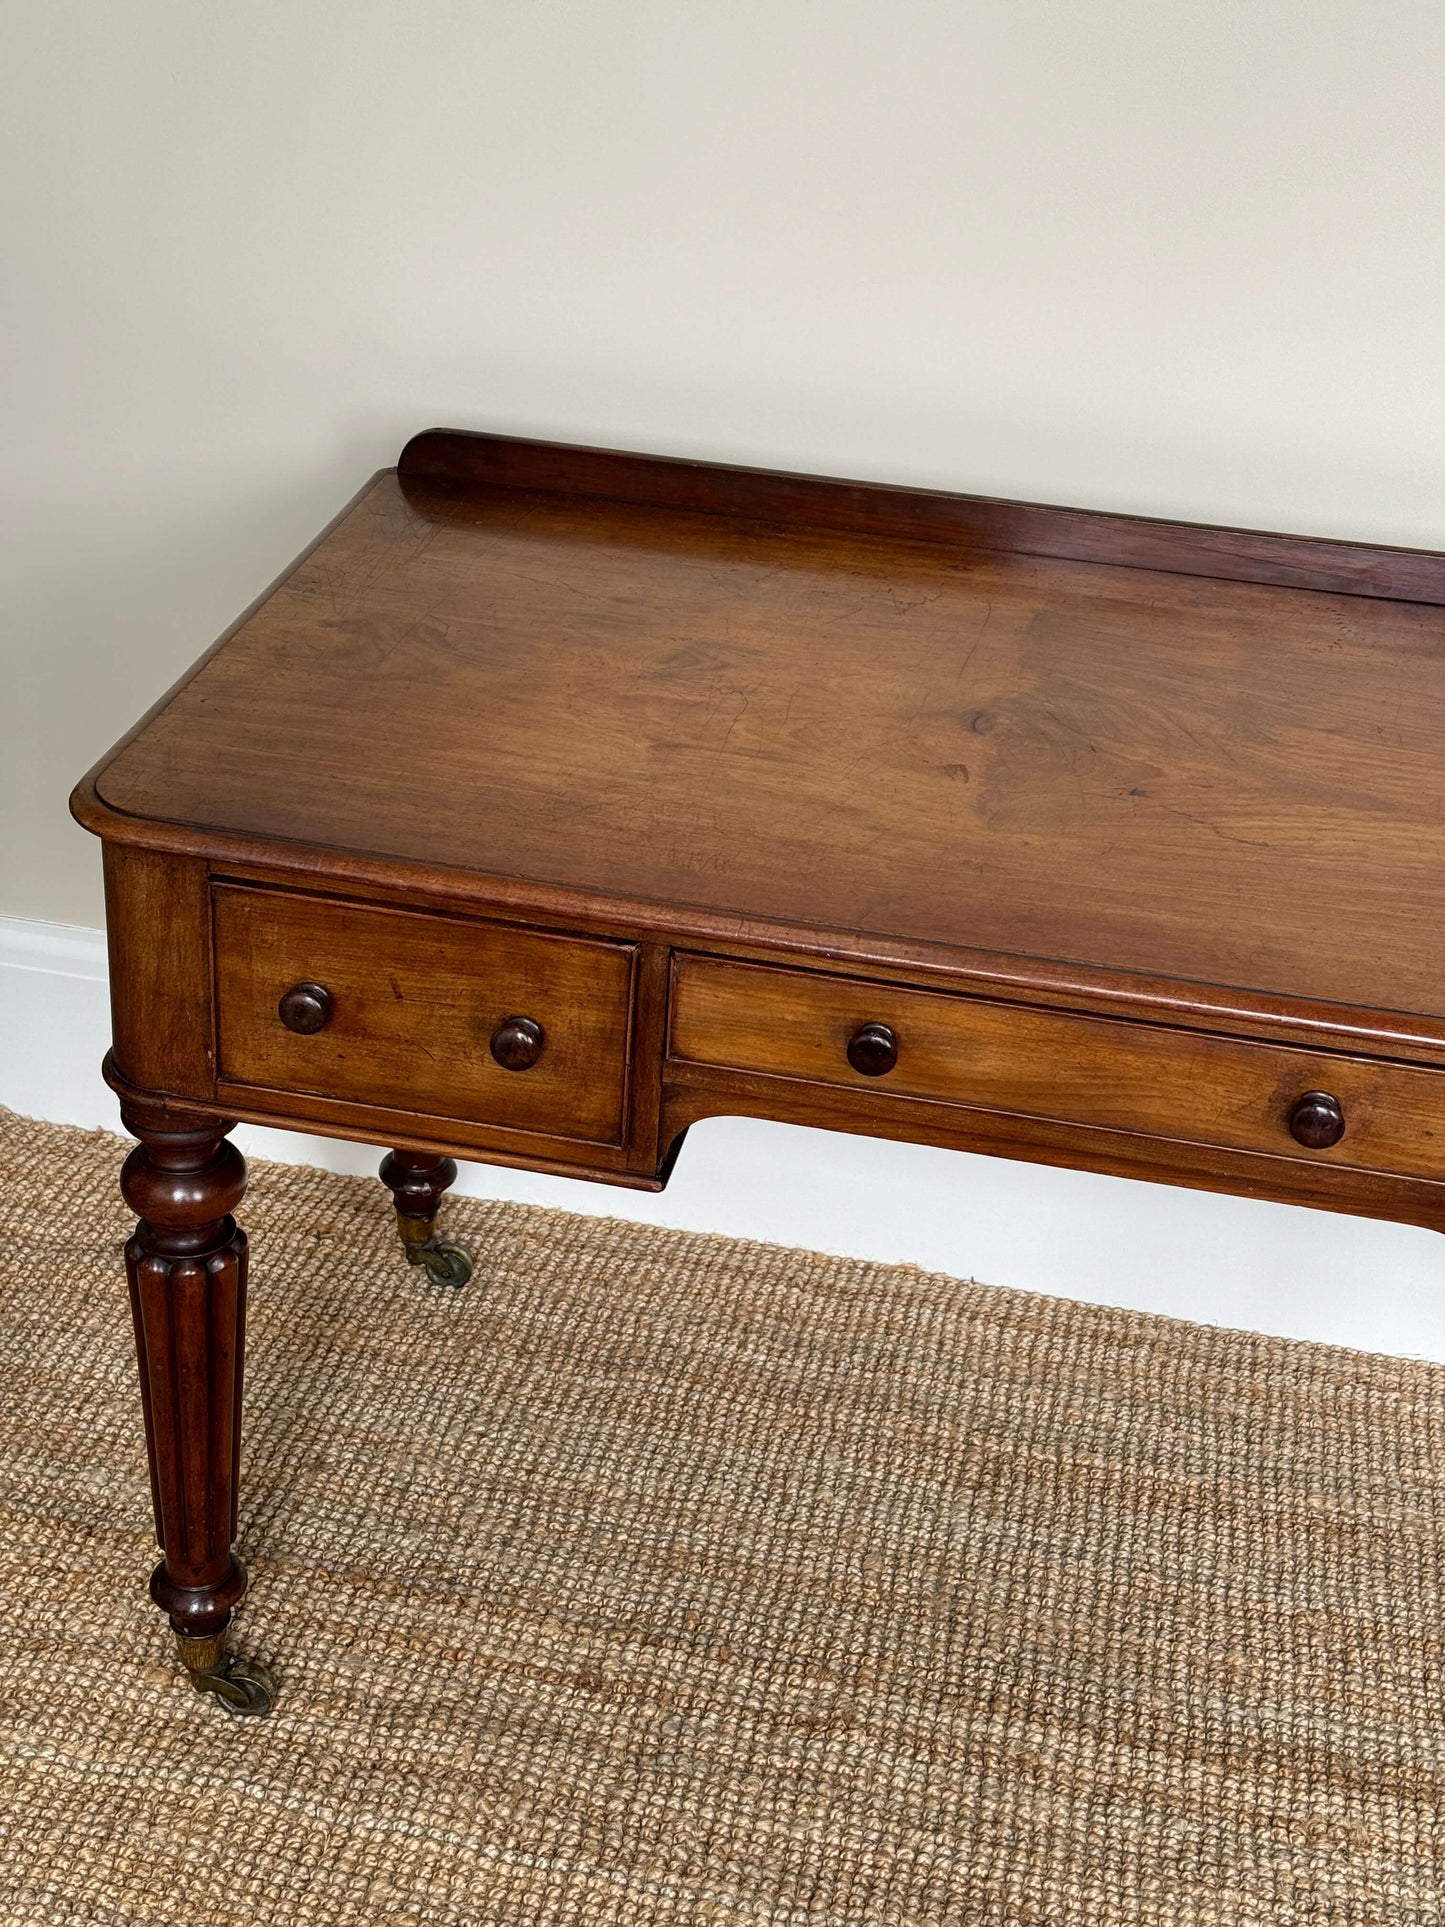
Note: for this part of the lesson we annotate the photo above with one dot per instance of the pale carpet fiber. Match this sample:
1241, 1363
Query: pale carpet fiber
660, 1578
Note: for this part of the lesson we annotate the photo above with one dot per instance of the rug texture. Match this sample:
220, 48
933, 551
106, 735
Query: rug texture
663, 1578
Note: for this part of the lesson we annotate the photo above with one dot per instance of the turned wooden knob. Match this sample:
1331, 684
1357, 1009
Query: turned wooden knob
306, 1008
1317, 1121
873, 1050
517, 1043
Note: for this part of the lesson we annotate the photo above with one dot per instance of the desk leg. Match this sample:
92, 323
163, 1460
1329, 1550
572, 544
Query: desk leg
187, 1269
417, 1180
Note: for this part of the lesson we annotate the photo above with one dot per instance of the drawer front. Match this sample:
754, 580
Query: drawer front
412, 1004
1047, 1064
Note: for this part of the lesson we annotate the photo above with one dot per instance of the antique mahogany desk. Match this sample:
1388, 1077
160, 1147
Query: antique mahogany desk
557, 798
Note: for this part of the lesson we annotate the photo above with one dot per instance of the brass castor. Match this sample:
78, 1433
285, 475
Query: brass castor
416, 1180
243, 1686
444, 1263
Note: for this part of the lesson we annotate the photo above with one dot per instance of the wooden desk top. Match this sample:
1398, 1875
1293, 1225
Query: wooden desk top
1205, 768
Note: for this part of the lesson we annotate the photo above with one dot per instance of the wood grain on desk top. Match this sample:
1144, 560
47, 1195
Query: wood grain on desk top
1173, 775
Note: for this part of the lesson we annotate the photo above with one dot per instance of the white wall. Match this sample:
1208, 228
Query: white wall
1145, 254
1176, 258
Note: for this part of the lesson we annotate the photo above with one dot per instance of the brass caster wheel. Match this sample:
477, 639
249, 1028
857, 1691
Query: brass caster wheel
444, 1264
243, 1686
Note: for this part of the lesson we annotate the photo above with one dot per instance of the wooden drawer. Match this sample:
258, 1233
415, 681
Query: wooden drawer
1049, 1064
414, 1003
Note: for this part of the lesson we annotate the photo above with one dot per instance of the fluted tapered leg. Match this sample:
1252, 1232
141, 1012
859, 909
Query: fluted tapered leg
187, 1269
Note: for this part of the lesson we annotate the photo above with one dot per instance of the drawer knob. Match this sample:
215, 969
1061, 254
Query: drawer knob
873, 1050
517, 1043
305, 1008
1317, 1121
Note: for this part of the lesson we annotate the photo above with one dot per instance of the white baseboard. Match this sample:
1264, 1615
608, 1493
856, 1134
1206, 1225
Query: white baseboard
1229, 1261
54, 1014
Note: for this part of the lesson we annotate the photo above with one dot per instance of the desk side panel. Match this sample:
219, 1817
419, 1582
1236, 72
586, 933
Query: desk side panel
162, 998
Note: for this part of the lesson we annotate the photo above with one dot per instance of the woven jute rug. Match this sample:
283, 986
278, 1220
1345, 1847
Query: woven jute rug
664, 1578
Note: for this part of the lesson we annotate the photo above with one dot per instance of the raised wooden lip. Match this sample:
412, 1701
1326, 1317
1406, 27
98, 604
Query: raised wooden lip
472, 461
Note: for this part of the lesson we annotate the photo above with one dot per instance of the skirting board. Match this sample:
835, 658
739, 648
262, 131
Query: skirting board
1225, 1261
